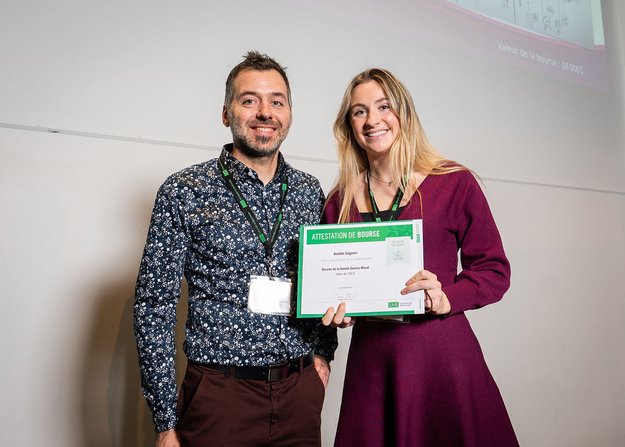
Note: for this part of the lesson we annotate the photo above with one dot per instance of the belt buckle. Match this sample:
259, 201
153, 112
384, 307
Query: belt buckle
277, 372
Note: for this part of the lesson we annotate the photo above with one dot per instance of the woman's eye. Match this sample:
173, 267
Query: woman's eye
359, 112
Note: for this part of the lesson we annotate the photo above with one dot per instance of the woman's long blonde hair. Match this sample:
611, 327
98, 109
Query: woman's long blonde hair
410, 152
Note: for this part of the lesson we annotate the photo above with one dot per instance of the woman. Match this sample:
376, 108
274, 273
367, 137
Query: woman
422, 381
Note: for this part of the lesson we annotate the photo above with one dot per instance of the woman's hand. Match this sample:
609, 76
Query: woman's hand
436, 301
338, 318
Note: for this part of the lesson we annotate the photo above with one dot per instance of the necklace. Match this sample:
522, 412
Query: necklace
379, 179
393, 212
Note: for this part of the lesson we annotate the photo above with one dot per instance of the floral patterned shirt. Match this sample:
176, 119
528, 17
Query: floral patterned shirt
199, 231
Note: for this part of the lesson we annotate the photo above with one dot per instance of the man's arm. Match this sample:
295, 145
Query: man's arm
167, 438
157, 293
327, 340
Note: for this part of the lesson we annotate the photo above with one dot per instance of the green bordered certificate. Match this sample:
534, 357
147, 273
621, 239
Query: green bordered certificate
365, 265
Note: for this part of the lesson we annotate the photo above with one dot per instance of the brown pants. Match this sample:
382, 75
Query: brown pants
215, 410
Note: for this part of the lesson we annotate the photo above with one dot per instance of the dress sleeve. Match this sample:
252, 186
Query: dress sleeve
156, 295
485, 274
331, 208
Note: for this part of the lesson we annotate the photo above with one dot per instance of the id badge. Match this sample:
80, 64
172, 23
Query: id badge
269, 295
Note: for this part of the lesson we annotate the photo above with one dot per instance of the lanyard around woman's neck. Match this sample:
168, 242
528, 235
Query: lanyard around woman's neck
268, 243
394, 211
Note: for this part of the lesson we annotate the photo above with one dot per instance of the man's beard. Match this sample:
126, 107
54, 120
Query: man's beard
256, 146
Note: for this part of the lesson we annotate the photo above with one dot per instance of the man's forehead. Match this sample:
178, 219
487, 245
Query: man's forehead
266, 81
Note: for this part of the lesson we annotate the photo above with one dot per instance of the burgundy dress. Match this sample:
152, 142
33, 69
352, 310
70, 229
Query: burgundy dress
425, 383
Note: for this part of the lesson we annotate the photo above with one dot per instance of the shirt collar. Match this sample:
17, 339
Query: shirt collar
240, 170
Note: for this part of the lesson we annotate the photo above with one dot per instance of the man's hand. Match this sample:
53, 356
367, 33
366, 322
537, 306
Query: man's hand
338, 318
167, 438
323, 369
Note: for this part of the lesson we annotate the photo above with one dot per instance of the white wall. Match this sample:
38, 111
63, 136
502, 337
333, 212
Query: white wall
100, 101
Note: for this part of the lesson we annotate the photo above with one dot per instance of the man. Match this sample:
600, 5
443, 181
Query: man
256, 375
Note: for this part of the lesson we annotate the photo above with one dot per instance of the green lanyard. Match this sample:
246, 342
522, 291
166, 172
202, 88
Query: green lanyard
251, 217
394, 208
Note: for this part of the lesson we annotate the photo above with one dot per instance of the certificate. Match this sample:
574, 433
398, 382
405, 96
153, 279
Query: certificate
365, 265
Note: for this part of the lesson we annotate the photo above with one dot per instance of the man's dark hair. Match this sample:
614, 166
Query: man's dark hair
254, 60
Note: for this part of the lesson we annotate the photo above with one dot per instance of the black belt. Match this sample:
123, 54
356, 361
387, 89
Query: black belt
269, 373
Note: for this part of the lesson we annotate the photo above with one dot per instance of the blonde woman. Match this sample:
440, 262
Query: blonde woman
422, 381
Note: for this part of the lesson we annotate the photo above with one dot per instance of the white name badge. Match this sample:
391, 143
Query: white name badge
269, 295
